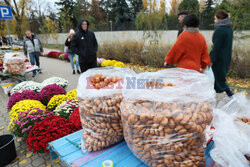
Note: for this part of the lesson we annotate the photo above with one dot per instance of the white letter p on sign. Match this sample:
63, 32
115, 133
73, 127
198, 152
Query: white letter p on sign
5, 12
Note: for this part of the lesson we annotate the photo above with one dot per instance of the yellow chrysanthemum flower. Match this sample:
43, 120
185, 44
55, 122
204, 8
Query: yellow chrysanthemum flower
72, 94
56, 101
119, 64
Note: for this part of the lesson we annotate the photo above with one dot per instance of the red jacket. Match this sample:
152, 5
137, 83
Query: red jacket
190, 52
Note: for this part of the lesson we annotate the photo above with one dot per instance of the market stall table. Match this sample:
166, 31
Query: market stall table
120, 154
18, 77
8, 80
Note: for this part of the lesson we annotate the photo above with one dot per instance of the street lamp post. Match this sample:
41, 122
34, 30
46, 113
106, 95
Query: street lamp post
110, 25
111, 28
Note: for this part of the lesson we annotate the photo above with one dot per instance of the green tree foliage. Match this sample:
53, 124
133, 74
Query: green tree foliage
225, 5
66, 12
136, 7
207, 16
209, 8
122, 12
152, 18
192, 6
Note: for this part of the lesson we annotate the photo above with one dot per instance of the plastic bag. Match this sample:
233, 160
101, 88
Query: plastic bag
232, 136
66, 48
14, 63
164, 117
99, 93
209, 72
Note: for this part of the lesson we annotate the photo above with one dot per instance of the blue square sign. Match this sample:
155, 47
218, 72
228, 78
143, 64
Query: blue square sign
5, 12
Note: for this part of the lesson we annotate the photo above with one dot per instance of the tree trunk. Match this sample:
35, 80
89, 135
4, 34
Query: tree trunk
19, 29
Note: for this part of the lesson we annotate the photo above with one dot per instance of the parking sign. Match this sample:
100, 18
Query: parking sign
5, 12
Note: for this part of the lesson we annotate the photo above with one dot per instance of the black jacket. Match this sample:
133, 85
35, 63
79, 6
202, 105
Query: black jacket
67, 43
180, 29
84, 44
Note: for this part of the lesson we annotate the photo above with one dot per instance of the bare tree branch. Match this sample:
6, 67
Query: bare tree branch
17, 10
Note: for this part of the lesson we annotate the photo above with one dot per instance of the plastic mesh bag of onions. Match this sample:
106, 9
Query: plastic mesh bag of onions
99, 93
165, 114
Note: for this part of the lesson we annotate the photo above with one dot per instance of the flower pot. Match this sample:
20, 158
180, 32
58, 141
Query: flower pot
7, 149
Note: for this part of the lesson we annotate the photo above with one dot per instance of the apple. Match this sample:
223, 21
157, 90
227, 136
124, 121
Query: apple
92, 80
97, 86
97, 75
102, 84
103, 78
106, 80
114, 79
97, 80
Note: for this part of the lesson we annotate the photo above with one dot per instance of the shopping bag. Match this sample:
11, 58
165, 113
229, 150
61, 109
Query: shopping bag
209, 73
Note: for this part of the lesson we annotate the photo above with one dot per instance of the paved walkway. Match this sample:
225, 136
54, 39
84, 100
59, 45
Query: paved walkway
51, 67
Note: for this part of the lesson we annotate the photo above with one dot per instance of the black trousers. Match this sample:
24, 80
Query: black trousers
87, 65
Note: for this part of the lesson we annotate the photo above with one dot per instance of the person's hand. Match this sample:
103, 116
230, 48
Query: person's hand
165, 64
41, 53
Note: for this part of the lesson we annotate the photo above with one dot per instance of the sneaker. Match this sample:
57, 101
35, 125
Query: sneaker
33, 75
74, 72
78, 72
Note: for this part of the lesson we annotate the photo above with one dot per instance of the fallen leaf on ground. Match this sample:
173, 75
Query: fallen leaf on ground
23, 151
19, 140
16, 159
24, 161
238, 82
49, 165
2, 128
29, 155
56, 160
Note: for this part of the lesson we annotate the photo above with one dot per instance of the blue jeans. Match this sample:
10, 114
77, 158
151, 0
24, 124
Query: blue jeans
71, 56
34, 60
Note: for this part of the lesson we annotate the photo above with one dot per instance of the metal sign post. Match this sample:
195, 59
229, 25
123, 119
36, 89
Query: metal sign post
6, 13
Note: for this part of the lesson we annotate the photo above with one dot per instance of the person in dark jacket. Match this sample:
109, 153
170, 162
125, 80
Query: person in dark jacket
221, 53
32, 46
71, 55
181, 16
84, 44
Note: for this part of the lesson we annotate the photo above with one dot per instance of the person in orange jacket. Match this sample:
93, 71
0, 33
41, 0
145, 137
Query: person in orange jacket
190, 49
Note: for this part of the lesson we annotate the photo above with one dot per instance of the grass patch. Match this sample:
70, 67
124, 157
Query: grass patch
59, 47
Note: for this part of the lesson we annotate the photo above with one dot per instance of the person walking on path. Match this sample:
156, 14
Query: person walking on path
72, 55
181, 16
85, 45
221, 53
32, 46
190, 50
